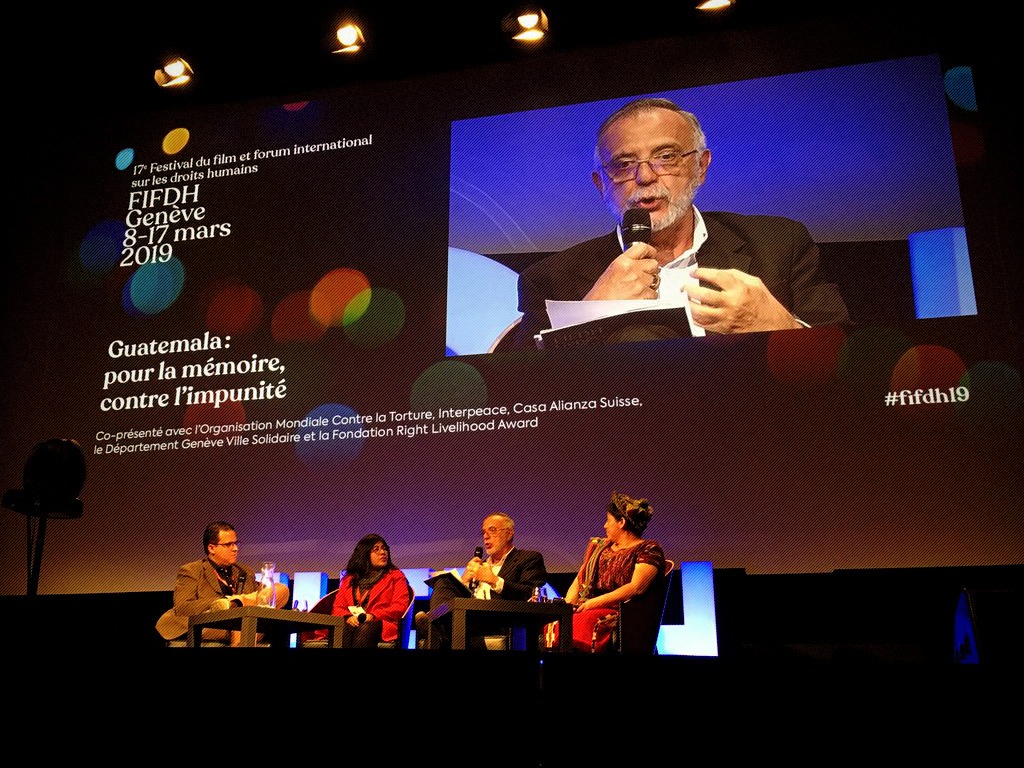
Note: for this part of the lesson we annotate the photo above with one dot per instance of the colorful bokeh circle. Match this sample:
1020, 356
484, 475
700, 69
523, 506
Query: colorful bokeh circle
867, 360
331, 297
175, 141
290, 320
101, 247
807, 357
124, 159
959, 85
448, 384
154, 287
374, 317
234, 309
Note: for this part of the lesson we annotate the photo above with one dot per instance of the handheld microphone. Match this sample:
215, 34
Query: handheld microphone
473, 583
636, 226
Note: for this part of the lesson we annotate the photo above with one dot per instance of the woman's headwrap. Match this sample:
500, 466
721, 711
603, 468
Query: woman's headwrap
637, 512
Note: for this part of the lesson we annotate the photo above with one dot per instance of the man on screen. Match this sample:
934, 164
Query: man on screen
731, 273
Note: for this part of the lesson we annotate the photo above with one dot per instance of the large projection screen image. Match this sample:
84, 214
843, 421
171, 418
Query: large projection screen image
806, 145
283, 313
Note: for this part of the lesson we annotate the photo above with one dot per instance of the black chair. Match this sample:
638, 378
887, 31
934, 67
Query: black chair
640, 616
404, 626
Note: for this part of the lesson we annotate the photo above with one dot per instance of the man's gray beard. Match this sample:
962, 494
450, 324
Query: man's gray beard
677, 207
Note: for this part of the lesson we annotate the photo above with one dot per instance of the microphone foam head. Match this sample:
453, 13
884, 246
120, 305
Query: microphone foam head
636, 226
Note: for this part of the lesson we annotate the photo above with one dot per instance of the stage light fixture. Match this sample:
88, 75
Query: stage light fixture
53, 479
351, 38
173, 74
527, 25
715, 5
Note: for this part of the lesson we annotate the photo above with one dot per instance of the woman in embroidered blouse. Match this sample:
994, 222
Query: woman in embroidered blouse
615, 568
374, 594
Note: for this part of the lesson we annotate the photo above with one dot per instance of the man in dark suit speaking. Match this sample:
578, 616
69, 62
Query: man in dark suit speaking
501, 571
731, 273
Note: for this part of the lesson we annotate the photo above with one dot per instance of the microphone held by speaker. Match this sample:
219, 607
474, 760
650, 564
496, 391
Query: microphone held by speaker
478, 554
636, 226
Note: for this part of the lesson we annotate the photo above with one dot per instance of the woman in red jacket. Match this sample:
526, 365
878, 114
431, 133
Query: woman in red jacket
374, 594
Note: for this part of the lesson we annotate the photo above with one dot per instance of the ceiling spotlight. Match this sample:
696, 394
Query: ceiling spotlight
173, 74
714, 5
527, 25
351, 38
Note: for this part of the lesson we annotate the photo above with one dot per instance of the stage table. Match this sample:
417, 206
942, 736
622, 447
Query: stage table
467, 616
249, 618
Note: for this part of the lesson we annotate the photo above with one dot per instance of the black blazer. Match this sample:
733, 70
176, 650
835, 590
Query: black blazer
777, 250
522, 571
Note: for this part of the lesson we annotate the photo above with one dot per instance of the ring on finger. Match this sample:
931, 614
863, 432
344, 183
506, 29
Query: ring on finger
655, 281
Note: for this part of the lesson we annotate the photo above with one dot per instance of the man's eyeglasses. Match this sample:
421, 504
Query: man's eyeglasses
227, 544
492, 530
664, 163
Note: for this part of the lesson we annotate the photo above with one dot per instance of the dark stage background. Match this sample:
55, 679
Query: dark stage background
315, 268
845, 532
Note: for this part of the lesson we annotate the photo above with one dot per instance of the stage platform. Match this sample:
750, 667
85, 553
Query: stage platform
828, 649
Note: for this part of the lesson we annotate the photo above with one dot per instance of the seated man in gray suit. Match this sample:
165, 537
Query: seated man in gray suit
215, 582
506, 572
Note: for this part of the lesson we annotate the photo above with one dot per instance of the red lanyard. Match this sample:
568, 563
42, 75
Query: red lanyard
229, 584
